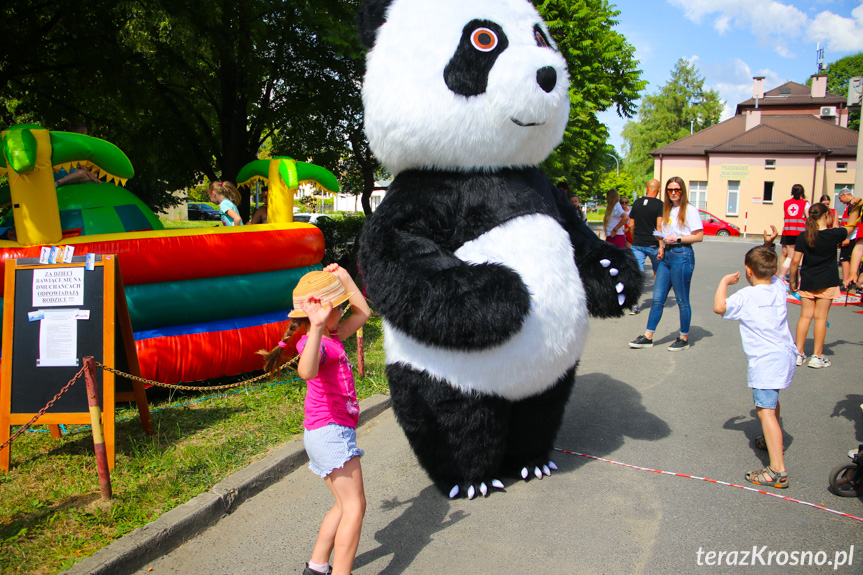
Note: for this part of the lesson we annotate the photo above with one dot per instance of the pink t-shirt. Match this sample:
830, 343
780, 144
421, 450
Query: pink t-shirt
331, 396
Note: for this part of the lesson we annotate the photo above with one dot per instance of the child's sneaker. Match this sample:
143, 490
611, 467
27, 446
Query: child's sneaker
819, 362
679, 345
640, 342
801, 359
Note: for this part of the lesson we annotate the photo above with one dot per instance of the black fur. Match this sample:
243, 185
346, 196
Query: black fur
415, 280
467, 72
371, 16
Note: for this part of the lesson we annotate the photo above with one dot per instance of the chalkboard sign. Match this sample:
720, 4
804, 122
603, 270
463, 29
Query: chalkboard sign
40, 357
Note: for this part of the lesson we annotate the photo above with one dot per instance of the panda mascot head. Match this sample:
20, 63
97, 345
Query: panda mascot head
461, 84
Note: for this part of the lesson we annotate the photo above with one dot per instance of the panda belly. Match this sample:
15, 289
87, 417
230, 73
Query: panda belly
553, 335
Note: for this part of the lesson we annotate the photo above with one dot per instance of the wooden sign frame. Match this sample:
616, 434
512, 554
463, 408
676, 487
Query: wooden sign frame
23, 385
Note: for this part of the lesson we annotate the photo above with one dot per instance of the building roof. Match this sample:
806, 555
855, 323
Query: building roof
791, 94
775, 134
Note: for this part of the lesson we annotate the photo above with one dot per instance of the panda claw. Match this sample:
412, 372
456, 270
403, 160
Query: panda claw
546, 470
619, 287
613, 272
497, 484
471, 492
524, 472
605, 263
620, 299
483, 488
552, 465
537, 472
453, 492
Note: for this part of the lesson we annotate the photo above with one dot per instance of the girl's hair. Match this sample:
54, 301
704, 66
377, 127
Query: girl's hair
611, 197
298, 326
226, 189
825, 197
816, 212
684, 199
797, 192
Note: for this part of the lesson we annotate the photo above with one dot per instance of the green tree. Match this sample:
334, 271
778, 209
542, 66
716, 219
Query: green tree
190, 89
682, 106
603, 73
838, 75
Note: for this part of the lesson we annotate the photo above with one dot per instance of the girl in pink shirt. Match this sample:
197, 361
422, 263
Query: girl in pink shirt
331, 407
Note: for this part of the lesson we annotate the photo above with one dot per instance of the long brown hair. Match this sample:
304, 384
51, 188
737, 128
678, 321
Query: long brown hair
297, 328
816, 212
226, 189
612, 197
684, 200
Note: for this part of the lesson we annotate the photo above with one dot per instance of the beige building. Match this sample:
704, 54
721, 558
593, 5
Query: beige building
741, 170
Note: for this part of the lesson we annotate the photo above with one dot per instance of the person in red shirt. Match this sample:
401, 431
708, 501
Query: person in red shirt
832, 222
794, 212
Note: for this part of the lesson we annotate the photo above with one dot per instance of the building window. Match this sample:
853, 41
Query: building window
698, 194
769, 164
841, 166
768, 193
733, 203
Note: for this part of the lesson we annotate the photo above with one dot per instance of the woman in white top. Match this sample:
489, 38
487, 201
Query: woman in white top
615, 220
680, 227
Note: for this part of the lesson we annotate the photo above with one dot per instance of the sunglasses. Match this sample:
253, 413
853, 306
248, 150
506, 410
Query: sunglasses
673, 190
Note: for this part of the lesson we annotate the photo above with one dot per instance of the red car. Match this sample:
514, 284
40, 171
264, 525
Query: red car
713, 226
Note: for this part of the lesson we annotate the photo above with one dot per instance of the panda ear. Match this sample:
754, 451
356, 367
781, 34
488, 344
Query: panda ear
371, 16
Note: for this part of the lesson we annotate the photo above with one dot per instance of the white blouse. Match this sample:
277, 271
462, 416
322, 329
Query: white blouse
692, 222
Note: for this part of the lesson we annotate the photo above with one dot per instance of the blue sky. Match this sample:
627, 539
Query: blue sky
730, 41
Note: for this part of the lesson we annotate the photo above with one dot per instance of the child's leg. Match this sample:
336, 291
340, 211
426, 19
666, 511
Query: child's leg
822, 308
347, 486
772, 436
327, 532
807, 311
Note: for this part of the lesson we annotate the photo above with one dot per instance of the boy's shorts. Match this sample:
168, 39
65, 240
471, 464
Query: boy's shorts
330, 447
826, 293
765, 398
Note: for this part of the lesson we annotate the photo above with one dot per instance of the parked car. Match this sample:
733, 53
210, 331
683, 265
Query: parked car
713, 226
199, 211
314, 219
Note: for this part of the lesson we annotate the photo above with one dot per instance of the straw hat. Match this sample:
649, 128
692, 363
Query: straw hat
323, 285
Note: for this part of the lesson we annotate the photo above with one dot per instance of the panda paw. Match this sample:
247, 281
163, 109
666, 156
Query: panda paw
472, 491
611, 278
539, 472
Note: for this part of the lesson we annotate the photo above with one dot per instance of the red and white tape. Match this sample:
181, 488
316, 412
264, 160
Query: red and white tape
821, 507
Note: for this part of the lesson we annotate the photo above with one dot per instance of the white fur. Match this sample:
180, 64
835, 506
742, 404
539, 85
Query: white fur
554, 333
413, 120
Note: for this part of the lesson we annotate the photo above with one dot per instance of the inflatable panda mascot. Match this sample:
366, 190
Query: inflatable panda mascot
481, 269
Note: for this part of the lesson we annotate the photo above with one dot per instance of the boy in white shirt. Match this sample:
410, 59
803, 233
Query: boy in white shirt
767, 342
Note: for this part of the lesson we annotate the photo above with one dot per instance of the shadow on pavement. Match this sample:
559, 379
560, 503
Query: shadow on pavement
405, 537
601, 414
751, 429
849, 408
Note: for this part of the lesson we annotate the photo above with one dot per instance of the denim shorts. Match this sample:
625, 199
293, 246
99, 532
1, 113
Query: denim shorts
330, 447
765, 398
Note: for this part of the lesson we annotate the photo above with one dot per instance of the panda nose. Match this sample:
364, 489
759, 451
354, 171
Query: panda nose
546, 77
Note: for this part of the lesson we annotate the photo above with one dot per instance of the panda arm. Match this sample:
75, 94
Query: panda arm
597, 261
424, 290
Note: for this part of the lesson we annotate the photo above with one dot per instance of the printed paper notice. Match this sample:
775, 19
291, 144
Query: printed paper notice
58, 338
58, 286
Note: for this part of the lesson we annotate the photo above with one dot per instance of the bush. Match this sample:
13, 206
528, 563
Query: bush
341, 240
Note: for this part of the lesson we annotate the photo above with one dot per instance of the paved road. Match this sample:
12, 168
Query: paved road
687, 412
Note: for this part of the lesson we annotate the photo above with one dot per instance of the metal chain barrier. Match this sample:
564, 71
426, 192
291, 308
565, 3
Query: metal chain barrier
42, 411
292, 363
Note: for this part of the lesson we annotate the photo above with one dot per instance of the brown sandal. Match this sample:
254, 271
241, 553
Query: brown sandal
766, 476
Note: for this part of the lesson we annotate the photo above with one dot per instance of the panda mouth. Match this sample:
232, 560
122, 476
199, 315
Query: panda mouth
526, 124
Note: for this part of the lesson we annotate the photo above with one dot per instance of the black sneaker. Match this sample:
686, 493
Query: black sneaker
309, 571
679, 345
640, 342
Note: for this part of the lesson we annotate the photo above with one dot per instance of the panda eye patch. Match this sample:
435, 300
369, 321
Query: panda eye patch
484, 39
541, 39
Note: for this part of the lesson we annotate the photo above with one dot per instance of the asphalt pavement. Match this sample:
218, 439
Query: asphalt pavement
687, 413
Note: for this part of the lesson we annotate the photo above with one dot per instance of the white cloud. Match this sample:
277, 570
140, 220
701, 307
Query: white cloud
840, 34
733, 81
774, 24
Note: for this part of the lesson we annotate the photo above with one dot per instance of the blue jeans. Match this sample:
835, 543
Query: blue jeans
674, 271
641, 253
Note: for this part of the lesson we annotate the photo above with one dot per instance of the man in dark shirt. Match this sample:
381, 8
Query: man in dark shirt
643, 221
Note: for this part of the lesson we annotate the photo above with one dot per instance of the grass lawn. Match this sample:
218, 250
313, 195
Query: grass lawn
50, 512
